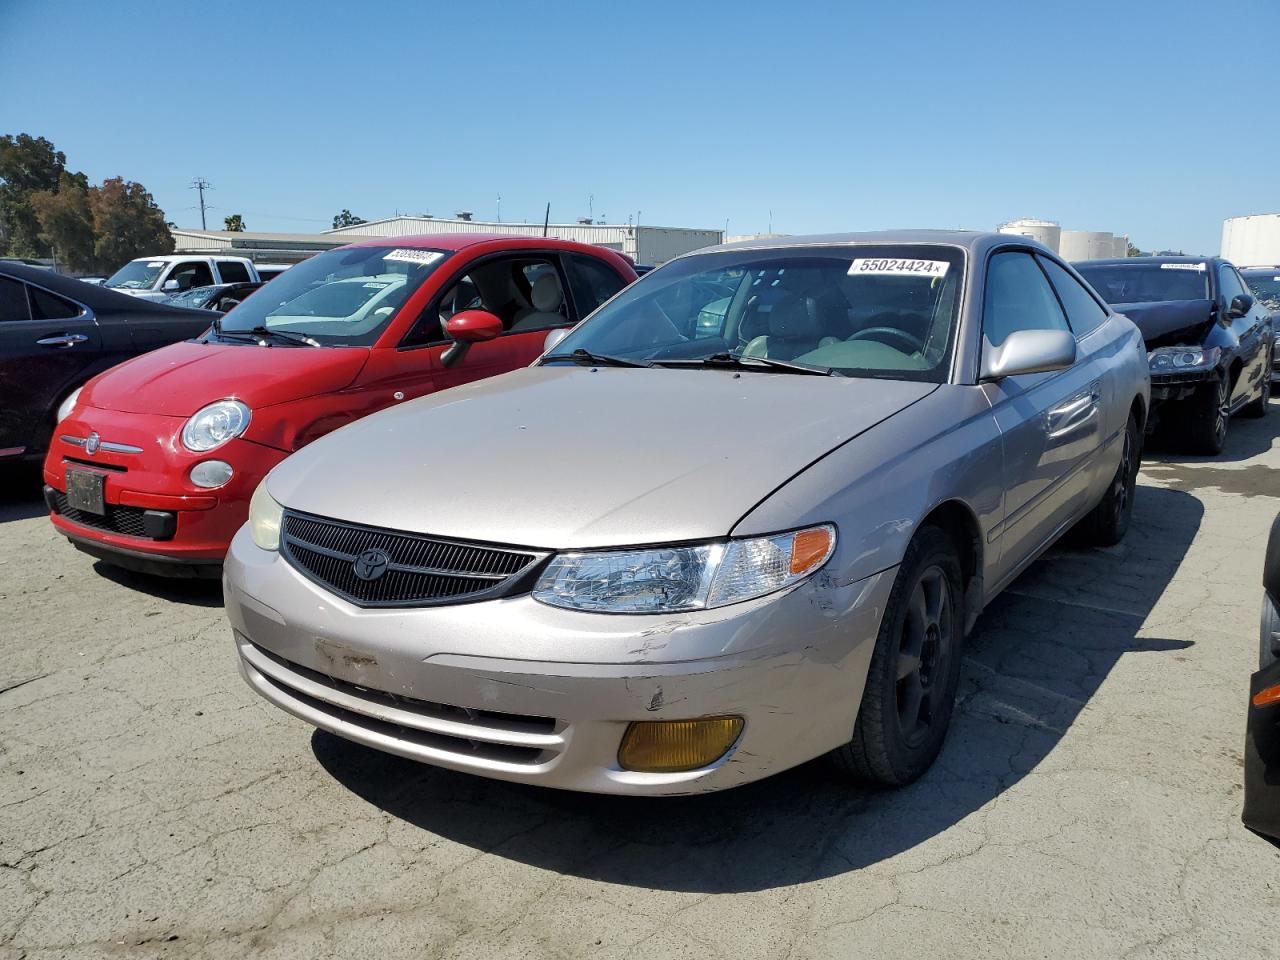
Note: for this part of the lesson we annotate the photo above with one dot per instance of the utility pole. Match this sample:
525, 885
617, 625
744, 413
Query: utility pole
200, 184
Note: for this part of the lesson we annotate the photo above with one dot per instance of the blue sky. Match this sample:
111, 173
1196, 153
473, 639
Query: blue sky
1135, 117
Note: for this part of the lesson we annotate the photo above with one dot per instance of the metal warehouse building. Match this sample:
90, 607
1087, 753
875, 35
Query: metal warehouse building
258, 247
650, 245
1252, 241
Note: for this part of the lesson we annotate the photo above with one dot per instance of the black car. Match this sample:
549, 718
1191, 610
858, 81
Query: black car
1209, 341
1264, 283
1262, 742
216, 296
56, 333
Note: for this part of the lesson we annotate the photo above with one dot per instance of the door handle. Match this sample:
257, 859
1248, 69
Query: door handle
63, 340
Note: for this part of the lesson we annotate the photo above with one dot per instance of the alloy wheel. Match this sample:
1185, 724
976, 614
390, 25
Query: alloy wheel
924, 656
1126, 477
1223, 410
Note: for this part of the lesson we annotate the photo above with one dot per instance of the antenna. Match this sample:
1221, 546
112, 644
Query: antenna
200, 184
591, 205
499, 207
546, 220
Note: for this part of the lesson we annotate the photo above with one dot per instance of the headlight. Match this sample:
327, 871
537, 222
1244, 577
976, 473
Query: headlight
1172, 359
214, 425
671, 579
265, 517
69, 404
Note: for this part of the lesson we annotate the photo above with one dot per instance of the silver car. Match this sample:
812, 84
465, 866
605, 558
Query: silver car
680, 554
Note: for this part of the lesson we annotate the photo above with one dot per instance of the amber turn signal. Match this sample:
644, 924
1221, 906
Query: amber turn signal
810, 548
1268, 697
674, 746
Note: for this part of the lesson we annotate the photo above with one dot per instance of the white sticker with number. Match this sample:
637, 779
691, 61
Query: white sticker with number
154, 264
886, 267
420, 257
1199, 267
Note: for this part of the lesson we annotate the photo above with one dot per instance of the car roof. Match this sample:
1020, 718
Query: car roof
460, 241
1262, 269
175, 257
977, 241
1139, 261
97, 298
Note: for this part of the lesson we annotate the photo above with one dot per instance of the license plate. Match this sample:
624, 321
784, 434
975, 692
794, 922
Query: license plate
84, 491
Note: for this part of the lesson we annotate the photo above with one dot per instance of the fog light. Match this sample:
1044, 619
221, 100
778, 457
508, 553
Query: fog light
211, 473
673, 746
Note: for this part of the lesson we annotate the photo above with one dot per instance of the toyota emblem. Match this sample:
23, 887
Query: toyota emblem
371, 564
91, 445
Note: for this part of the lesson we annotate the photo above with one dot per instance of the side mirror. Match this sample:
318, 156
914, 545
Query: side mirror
473, 326
171, 286
1241, 304
553, 338
1029, 351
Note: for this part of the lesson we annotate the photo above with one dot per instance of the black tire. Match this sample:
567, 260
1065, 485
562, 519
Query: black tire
1258, 408
1106, 524
1205, 417
911, 684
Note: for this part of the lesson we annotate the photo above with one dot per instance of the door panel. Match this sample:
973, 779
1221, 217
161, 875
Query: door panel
42, 361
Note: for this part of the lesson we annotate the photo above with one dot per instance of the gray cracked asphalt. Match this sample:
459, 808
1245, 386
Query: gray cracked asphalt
1086, 804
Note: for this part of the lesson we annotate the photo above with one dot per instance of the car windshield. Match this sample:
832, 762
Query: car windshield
861, 311
198, 297
1266, 287
341, 297
136, 275
1147, 282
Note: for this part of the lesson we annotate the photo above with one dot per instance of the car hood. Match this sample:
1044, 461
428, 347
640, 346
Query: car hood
561, 457
179, 379
1169, 322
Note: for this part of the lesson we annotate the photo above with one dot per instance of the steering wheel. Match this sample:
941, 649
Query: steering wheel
880, 333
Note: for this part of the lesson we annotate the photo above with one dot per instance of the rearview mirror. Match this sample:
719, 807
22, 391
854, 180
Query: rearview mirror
553, 338
171, 286
1029, 351
473, 326
1241, 304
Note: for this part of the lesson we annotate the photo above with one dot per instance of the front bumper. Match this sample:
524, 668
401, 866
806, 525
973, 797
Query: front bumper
1179, 386
157, 520
519, 691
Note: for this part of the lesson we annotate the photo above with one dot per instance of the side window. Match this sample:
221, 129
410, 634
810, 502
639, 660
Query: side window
1018, 297
1229, 284
591, 282
13, 300
193, 273
541, 300
48, 306
1083, 312
233, 272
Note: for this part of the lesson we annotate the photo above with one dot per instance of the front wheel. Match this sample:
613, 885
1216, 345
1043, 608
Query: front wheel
911, 683
1106, 524
1207, 414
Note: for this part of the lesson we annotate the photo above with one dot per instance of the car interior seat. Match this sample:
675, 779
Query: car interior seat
546, 297
796, 325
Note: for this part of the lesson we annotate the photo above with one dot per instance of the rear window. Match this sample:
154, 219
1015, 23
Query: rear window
1266, 287
233, 272
1147, 282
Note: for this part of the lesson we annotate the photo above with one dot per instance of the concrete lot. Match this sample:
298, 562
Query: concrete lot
1086, 805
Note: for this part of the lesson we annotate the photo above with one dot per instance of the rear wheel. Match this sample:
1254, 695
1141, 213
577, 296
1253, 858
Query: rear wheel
911, 684
1107, 523
1258, 408
1205, 417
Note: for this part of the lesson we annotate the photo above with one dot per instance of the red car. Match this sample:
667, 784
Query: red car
153, 467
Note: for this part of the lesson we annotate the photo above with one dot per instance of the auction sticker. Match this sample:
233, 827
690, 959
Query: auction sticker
154, 264
886, 267
1199, 267
420, 257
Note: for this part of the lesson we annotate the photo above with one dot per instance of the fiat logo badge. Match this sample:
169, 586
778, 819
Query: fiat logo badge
91, 445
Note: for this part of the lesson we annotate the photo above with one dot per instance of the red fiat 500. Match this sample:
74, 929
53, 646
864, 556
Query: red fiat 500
153, 466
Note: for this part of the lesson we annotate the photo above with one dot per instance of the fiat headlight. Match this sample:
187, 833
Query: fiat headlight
681, 578
214, 425
69, 404
1171, 359
265, 517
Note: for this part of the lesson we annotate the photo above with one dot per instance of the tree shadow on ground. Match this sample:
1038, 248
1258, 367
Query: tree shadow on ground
1039, 653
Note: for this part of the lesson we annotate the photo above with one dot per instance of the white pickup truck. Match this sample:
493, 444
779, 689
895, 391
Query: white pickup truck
154, 278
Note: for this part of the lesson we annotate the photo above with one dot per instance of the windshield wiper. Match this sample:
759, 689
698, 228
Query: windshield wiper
596, 359
742, 362
261, 335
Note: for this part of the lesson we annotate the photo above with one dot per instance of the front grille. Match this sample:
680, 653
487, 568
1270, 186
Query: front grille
1193, 376
127, 521
421, 570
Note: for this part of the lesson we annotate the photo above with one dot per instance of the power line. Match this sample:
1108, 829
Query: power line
201, 184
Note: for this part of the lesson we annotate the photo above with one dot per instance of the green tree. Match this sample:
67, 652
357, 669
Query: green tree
347, 219
27, 165
66, 222
1134, 251
127, 223
234, 223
